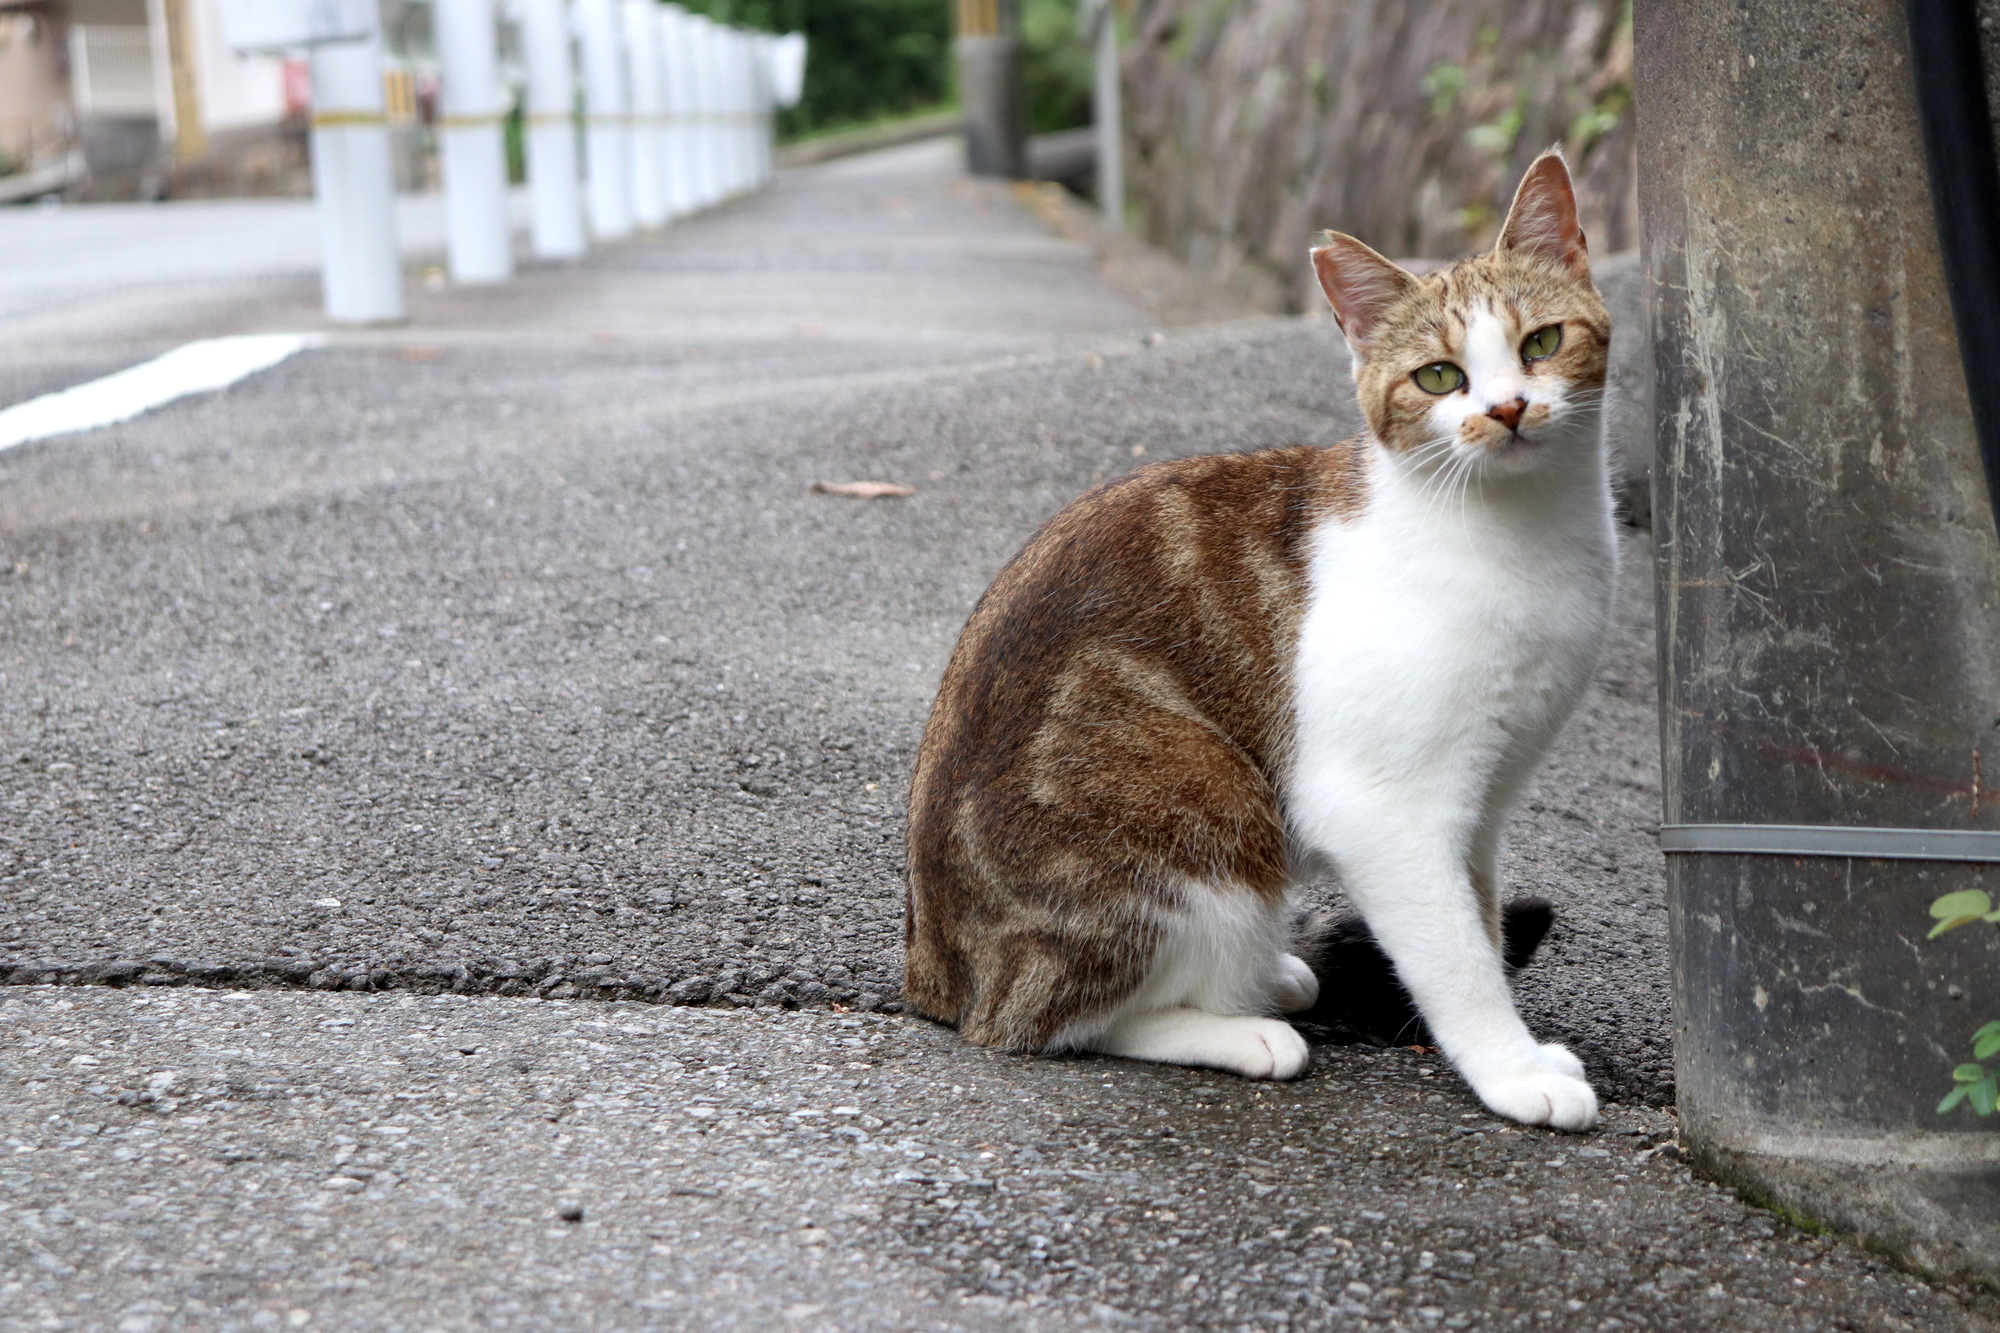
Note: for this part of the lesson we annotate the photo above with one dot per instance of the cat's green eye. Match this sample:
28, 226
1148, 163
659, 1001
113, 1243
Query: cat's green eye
1542, 343
1439, 377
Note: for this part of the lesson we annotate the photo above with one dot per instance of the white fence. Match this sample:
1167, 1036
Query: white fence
676, 115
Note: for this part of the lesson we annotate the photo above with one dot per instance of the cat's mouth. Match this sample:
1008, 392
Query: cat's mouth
1511, 453
1498, 441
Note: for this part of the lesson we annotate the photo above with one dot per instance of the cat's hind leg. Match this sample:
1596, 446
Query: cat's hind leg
1294, 988
1218, 970
1239, 1043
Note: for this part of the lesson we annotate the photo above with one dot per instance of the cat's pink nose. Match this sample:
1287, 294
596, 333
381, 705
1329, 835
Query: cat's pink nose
1508, 414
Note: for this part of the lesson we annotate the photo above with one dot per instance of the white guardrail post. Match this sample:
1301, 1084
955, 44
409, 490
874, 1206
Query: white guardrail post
472, 145
680, 114
678, 141
607, 119
361, 260
554, 173
642, 64
354, 178
708, 156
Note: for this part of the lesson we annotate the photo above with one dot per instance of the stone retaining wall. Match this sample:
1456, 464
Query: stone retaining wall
1253, 124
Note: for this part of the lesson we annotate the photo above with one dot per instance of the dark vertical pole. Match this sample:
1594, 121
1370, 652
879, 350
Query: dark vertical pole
1829, 593
1965, 196
990, 88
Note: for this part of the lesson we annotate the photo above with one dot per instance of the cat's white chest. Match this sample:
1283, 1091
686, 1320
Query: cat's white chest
1438, 662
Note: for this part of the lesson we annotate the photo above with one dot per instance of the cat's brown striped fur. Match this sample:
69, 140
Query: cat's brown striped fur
1110, 727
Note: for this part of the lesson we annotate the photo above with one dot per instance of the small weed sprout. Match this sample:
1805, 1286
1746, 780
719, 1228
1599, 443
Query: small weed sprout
1973, 1083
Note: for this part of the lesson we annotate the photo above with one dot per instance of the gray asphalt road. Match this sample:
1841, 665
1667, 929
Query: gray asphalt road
511, 654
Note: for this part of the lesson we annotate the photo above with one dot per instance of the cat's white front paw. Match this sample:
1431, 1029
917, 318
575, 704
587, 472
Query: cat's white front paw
1266, 1048
1295, 988
1555, 1094
1556, 1058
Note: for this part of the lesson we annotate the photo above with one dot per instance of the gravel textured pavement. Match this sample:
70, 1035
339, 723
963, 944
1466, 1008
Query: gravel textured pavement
511, 654
189, 1159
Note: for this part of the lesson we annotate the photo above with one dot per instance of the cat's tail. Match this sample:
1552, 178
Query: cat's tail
1358, 990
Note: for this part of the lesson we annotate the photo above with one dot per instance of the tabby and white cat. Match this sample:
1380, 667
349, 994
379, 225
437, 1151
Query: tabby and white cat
1203, 680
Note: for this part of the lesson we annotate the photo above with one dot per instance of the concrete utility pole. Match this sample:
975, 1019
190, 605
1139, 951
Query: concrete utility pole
733, 108
642, 64
362, 268
763, 67
1099, 18
989, 81
472, 142
553, 171
736, 78
607, 119
1829, 594
190, 136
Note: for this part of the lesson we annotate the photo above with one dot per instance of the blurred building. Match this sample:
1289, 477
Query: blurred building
39, 149
115, 99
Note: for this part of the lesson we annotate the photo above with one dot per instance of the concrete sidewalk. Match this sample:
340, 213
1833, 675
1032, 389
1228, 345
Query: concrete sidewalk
510, 654
215, 1160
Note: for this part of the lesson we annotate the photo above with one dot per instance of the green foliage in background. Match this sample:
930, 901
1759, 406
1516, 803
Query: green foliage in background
865, 59
870, 60
1055, 66
517, 141
1974, 1084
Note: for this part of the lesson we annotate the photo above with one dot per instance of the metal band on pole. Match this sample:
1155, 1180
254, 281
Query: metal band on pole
1872, 844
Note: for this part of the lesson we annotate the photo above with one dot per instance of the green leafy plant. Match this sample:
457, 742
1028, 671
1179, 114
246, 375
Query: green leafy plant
866, 60
1961, 909
1055, 66
1977, 1086
1497, 136
1973, 1083
1442, 85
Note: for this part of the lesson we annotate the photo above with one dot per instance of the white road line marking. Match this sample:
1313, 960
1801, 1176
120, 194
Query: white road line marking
196, 367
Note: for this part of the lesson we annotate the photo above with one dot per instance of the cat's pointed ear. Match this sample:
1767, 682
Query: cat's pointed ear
1359, 284
1542, 221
